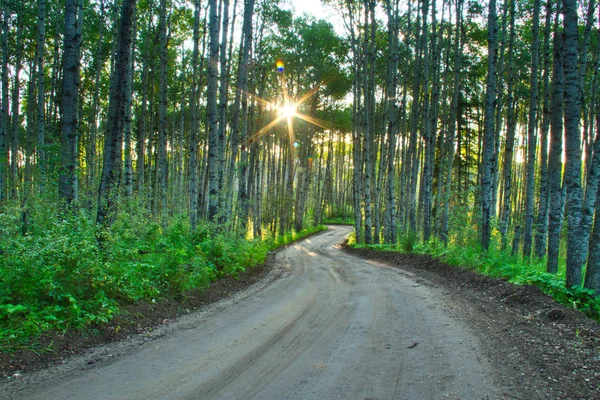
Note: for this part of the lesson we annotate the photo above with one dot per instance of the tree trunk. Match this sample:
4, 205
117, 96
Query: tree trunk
531, 131
542, 219
91, 152
449, 146
223, 94
113, 142
392, 120
16, 119
243, 89
161, 169
193, 152
592, 275
70, 94
555, 157
510, 135
572, 107
41, 95
4, 111
488, 155
128, 167
211, 109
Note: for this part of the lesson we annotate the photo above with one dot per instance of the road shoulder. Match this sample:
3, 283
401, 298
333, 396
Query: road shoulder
541, 349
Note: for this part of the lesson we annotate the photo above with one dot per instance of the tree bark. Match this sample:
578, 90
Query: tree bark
211, 108
193, 152
555, 157
70, 94
488, 155
572, 109
16, 118
162, 166
243, 89
531, 131
392, 120
542, 219
4, 111
113, 143
41, 95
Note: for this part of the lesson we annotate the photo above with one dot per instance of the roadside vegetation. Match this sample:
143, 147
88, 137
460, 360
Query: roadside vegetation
66, 274
464, 251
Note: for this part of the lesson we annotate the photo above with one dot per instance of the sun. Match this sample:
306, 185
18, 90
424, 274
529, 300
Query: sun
287, 110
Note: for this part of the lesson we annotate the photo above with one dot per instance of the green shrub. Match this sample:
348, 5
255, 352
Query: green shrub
58, 277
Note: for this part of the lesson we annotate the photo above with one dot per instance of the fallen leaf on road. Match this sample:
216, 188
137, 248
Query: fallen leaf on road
412, 346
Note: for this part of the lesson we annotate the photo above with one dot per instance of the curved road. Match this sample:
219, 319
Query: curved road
323, 325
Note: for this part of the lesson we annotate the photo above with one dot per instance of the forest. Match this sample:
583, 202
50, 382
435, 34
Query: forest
149, 147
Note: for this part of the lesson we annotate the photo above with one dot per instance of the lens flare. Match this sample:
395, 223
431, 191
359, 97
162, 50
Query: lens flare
287, 110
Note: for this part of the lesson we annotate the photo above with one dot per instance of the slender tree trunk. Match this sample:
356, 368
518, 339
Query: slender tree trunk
70, 95
113, 143
531, 131
16, 120
449, 146
488, 136
128, 167
4, 111
30, 138
542, 221
193, 154
223, 94
555, 157
572, 109
243, 89
41, 95
592, 275
211, 95
392, 120
91, 159
162, 165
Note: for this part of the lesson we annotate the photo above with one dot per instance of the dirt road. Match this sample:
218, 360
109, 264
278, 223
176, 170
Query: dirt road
323, 325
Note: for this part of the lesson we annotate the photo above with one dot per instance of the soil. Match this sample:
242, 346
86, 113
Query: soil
543, 349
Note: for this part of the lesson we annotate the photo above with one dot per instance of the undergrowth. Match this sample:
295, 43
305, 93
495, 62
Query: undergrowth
57, 277
463, 252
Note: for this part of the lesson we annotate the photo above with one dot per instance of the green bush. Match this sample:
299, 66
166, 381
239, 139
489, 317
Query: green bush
59, 276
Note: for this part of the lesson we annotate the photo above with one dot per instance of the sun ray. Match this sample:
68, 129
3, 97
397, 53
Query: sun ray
288, 110
315, 121
254, 137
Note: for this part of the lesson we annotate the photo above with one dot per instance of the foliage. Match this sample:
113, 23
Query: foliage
59, 277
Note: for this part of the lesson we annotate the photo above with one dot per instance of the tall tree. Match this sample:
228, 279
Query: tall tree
70, 95
556, 149
41, 92
4, 105
572, 107
543, 206
16, 119
193, 154
113, 142
531, 130
488, 155
243, 88
391, 119
162, 165
211, 106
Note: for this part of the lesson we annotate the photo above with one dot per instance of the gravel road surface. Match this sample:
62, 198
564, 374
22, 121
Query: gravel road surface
323, 325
